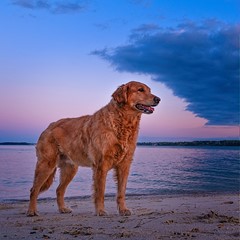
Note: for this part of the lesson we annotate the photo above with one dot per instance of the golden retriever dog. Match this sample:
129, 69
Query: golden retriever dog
103, 141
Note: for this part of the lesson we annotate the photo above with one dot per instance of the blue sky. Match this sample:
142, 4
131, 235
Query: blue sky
65, 58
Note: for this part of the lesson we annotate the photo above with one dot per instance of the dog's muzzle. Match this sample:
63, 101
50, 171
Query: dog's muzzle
148, 109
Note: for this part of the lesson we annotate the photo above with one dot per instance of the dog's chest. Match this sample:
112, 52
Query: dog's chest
126, 134
126, 131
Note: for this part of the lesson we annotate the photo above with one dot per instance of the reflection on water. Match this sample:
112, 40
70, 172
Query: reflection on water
155, 170
191, 169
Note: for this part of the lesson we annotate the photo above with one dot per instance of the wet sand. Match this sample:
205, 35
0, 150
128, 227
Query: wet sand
154, 217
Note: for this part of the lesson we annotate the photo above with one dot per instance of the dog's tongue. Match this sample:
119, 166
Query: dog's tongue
144, 108
149, 108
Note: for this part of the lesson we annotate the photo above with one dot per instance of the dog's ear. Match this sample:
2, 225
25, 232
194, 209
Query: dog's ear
120, 95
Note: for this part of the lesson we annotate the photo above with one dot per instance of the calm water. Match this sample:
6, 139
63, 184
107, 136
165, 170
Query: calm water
155, 170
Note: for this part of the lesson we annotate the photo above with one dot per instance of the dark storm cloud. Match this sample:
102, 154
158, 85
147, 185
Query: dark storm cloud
55, 7
199, 62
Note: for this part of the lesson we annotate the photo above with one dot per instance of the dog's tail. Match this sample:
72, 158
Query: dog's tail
46, 185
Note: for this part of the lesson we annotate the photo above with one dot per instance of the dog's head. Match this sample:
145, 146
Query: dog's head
136, 96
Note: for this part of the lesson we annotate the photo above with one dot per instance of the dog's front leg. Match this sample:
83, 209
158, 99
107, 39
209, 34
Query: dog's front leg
99, 182
122, 172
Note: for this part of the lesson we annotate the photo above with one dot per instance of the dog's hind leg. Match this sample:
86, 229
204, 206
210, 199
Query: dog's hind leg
67, 173
47, 153
44, 175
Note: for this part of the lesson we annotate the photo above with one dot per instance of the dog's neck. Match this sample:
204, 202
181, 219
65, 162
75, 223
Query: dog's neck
120, 112
125, 110
125, 122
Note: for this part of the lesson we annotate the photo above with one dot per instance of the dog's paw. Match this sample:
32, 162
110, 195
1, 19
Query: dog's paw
101, 213
65, 210
125, 212
31, 213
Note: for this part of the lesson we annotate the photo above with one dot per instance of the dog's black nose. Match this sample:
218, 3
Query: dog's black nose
156, 100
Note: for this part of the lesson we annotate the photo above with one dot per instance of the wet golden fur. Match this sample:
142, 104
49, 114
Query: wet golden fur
102, 141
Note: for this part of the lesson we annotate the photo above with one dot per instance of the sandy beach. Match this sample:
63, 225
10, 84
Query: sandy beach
154, 217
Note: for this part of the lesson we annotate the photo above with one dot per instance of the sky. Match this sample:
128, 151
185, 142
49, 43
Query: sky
63, 59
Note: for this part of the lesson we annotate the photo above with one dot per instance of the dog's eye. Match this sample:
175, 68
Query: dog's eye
141, 90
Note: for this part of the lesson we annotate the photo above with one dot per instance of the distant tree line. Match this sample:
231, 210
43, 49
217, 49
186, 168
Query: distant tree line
194, 143
16, 143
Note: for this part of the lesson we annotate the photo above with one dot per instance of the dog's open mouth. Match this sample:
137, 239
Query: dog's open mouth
144, 108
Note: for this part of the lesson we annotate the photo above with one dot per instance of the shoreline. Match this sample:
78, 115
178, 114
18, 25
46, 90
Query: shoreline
129, 195
191, 216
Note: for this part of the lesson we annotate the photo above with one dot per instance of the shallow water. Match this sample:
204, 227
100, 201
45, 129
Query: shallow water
155, 170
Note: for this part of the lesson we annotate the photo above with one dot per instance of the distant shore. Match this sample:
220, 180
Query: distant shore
226, 143
16, 143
